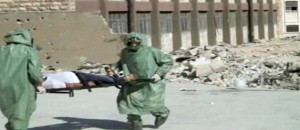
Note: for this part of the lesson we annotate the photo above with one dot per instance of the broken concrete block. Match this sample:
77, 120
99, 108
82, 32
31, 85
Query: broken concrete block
194, 51
239, 83
208, 54
198, 62
186, 73
222, 54
203, 70
196, 80
182, 58
240, 60
293, 67
218, 66
214, 76
269, 64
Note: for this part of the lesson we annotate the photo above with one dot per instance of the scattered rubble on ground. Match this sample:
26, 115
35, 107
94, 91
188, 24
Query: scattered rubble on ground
88, 67
225, 65
273, 65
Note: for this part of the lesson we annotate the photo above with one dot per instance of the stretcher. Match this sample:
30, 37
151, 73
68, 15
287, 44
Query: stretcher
70, 91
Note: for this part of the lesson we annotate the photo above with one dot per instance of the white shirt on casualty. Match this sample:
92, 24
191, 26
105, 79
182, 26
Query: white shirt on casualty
59, 80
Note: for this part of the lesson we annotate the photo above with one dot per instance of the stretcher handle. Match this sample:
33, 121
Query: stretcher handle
71, 93
145, 80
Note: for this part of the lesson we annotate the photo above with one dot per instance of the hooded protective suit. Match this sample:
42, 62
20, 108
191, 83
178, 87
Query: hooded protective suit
143, 97
19, 71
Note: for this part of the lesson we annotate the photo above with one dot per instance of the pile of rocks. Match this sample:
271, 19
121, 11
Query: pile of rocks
292, 38
88, 67
221, 66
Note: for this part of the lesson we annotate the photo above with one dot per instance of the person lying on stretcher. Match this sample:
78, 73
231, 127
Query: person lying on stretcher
74, 79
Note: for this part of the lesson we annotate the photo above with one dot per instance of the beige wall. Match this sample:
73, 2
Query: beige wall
67, 40
36, 5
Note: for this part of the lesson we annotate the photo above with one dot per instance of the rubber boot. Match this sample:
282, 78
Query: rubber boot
135, 122
160, 120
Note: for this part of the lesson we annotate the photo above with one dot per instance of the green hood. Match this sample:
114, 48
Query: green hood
18, 36
137, 35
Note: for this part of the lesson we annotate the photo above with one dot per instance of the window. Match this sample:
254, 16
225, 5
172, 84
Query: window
292, 28
202, 19
185, 21
143, 23
166, 23
219, 20
232, 19
245, 18
255, 18
118, 22
291, 6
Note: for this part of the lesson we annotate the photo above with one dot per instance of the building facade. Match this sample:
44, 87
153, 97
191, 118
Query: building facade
174, 24
290, 17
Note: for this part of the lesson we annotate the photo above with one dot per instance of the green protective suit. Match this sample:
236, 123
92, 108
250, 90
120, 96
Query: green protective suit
19, 72
142, 98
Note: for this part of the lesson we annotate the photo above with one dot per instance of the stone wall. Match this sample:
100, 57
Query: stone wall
36, 5
66, 40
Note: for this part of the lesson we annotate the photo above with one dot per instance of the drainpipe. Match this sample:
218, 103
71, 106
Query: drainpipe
131, 15
250, 21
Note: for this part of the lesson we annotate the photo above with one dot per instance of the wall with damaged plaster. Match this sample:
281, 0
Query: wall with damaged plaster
66, 40
36, 5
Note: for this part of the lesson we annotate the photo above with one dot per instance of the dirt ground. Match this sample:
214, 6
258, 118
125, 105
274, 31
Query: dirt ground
264, 49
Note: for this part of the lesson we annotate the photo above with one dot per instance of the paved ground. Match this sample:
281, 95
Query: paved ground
199, 108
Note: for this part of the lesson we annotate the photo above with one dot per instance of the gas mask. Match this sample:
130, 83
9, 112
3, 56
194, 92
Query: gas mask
134, 44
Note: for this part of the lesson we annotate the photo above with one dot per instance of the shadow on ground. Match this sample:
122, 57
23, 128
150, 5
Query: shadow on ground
79, 123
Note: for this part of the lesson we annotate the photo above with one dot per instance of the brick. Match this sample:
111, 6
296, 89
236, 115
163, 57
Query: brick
33, 9
22, 9
37, 5
54, 8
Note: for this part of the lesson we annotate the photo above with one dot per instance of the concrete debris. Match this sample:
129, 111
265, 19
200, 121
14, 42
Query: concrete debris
188, 90
203, 70
293, 38
214, 76
218, 66
226, 65
239, 83
221, 65
88, 67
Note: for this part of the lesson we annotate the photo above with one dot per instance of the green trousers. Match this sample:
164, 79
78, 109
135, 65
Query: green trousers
16, 124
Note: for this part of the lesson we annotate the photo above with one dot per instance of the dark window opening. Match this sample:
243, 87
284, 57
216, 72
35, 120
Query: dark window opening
185, 21
166, 22
292, 28
118, 22
219, 20
291, 6
143, 22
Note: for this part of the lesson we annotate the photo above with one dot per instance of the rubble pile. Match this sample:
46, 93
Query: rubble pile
88, 67
94, 68
222, 66
292, 38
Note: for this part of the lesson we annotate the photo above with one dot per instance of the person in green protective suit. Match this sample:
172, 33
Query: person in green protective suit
139, 98
19, 72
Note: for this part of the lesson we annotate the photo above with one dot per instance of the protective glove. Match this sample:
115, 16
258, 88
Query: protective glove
156, 77
41, 90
